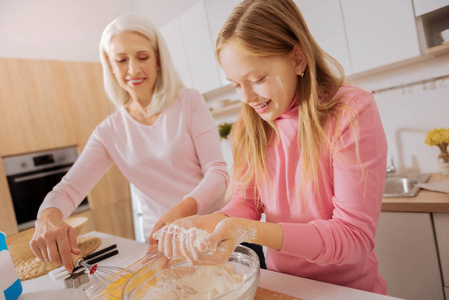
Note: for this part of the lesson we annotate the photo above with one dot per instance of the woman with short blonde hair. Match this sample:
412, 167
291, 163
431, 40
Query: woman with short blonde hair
162, 138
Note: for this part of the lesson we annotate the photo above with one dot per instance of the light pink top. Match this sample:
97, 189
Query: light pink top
329, 235
176, 157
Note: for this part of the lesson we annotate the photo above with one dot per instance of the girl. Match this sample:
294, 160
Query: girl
162, 138
309, 152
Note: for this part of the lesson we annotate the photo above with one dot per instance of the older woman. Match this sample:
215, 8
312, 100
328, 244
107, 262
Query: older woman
162, 138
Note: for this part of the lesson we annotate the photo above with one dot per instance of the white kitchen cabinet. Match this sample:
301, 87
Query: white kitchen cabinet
200, 49
175, 42
441, 222
326, 24
379, 32
218, 12
425, 6
407, 255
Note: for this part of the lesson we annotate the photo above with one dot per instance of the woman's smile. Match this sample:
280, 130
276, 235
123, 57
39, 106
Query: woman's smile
136, 81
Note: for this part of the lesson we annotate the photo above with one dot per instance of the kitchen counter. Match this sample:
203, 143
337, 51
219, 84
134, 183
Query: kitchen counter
426, 201
45, 287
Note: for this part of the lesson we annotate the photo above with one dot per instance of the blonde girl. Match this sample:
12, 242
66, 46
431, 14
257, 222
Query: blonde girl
309, 152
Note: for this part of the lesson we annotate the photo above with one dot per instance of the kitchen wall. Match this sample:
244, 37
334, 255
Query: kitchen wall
409, 113
70, 31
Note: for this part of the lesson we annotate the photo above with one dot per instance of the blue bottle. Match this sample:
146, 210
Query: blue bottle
10, 285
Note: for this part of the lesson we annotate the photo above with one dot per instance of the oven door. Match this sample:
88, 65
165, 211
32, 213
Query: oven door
28, 190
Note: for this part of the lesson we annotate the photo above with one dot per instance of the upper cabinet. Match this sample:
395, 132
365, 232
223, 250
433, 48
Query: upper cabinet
361, 35
192, 49
425, 6
326, 24
379, 32
200, 48
218, 12
432, 17
173, 36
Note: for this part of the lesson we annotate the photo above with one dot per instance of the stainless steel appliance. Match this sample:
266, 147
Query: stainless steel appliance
31, 176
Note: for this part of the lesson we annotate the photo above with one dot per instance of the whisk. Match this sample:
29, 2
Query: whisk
102, 273
111, 280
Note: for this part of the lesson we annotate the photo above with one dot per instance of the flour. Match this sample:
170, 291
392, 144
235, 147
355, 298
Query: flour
248, 235
192, 283
184, 235
201, 237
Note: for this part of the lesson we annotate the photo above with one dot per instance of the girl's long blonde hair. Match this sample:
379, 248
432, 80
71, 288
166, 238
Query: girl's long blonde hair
270, 28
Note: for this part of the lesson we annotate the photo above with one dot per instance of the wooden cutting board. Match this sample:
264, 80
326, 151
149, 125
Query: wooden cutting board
264, 294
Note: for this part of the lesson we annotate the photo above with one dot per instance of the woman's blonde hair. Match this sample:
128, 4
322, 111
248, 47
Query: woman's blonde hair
167, 82
270, 28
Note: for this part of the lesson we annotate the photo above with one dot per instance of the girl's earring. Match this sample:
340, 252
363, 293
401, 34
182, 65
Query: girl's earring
300, 73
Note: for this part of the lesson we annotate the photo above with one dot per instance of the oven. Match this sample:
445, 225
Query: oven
31, 176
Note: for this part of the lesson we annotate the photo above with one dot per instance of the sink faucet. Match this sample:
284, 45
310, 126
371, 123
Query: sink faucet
391, 169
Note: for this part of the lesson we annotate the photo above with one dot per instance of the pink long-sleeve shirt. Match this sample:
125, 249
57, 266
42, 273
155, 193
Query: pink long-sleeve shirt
328, 235
178, 156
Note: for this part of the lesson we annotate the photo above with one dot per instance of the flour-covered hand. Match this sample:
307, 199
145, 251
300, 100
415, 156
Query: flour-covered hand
178, 238
219, 245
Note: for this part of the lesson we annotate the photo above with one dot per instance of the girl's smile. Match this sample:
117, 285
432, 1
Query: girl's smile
261, 108
266, 83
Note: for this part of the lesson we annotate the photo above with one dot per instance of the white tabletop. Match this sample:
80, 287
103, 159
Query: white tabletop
44, 287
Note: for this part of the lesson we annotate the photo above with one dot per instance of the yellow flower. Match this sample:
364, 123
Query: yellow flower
438, 137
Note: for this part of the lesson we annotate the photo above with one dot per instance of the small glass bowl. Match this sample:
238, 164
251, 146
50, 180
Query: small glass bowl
243, 262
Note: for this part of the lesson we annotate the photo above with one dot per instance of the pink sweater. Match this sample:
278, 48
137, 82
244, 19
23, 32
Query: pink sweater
178, 156
329, 235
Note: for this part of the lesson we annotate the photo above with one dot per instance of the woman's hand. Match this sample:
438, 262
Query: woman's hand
185, 208
54, 240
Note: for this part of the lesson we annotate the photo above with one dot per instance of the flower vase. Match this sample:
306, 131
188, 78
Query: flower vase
443, 163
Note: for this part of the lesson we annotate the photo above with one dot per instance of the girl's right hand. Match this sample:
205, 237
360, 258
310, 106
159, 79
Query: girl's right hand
54, 240
169, 239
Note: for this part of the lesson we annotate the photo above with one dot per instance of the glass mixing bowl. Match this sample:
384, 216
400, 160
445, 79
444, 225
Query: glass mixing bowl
236, 279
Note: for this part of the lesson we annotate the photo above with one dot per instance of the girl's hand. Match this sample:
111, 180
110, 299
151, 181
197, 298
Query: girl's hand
173, 240
54, 240
228, 234
200, 247
185, 208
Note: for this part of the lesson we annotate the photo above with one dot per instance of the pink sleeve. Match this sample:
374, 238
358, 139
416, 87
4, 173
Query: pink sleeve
348, 237
243, 205
209, 193
90, 166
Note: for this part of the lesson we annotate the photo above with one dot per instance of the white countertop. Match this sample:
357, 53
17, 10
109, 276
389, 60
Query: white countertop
44, 287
